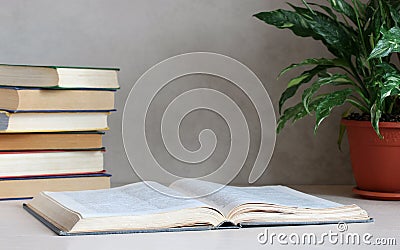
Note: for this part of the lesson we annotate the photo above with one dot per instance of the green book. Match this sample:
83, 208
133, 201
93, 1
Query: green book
62, 77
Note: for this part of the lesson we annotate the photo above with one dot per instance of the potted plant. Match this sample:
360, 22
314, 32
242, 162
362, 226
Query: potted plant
364, 39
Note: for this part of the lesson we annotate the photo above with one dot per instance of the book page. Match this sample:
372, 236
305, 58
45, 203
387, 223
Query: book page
229, 197
132, 199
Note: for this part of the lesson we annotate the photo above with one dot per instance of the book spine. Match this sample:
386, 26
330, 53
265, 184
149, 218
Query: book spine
4, 119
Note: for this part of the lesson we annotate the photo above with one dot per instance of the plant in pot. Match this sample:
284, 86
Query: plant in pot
364, 39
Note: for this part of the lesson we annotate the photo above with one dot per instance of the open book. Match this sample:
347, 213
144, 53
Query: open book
139, 208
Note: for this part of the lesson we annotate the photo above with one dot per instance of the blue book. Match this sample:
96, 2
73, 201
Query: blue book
152, 207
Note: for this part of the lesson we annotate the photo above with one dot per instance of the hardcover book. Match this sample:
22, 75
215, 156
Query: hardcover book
52, 122
50, 141
15, 99
58, 77
140, 208
49, 162
29, 186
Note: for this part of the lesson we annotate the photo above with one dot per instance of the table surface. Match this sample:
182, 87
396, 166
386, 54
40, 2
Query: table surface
19, 230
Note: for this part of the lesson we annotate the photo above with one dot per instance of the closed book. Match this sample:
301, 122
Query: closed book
35, 99
49, 162
52, 122
27, 187
50, 141
58, 77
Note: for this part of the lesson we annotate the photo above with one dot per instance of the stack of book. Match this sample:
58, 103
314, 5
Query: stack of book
51, 126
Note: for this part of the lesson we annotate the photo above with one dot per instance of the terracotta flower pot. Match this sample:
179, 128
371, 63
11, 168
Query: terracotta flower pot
375, 162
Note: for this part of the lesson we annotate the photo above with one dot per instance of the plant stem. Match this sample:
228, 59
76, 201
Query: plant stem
358, 105
392, 104
358, 79
308, 7
361, 34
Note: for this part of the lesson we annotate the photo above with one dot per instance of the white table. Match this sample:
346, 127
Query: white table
19, 230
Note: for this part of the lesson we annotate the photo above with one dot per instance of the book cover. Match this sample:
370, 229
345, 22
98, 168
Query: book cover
54, 77
145, 207
224, 226
16, 188
55, 162
55, 176
57, 111
3, 152
22, 122
59, 66
51, 141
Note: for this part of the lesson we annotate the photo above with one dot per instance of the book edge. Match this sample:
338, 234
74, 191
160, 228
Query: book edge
58, 111
302, 223
64, 233
17, 88
58, 176
59, 66
221, 227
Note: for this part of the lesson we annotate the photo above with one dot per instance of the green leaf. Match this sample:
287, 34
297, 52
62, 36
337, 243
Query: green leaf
390, 86
289, 114
307, 6
311, 107
363, 108
387, 81
326, 9
343, 7
337, 37
361, 7
389, 43
295, 113
304, 77
330, 101
375, 22
296, 82
336, 79
376, 113
337, 62
384, 69
394, 6
284, 19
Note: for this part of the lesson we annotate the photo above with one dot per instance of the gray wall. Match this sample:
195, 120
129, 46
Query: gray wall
135, 35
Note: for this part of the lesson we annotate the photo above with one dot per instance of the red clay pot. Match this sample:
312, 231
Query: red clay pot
375, 162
